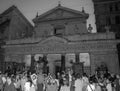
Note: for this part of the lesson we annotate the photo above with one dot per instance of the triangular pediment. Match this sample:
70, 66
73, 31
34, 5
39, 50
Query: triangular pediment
60, 12
9, 12
53, 40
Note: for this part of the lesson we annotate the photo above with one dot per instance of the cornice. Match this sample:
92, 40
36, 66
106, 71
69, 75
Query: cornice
70, 38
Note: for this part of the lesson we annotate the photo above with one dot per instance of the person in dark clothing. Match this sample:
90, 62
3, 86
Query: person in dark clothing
117, 83
1, 82
9, 85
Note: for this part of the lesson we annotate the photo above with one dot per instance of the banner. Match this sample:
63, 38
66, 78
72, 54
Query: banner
85, 57
27, 60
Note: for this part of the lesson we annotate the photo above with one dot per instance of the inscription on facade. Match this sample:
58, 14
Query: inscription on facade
58, 47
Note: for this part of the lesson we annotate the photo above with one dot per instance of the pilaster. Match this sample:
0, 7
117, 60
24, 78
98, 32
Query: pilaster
32, 62
62, 62
77, 59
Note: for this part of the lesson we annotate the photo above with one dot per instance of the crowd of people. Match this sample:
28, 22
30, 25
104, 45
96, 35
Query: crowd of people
63, 81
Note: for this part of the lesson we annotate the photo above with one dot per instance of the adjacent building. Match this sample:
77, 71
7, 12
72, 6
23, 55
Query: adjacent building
13, 25
107, 14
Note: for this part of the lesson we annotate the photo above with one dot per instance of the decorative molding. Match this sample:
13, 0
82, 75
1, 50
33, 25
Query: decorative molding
54, 47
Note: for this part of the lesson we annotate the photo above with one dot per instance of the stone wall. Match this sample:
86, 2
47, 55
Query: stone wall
110, 58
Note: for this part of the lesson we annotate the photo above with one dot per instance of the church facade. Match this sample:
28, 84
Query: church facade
62, 36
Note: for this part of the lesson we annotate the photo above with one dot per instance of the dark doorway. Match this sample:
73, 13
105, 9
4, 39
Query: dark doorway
57, 69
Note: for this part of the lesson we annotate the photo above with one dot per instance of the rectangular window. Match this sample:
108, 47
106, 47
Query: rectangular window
27, 60
59, 30
117, 19
85, 57
116, 7
111, 8
108, 20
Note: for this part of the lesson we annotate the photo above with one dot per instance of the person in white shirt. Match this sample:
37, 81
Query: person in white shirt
78, 83
23, 81
4, 79
17, 83
65, 86
108, 86
91, 85
27, 85
85, 81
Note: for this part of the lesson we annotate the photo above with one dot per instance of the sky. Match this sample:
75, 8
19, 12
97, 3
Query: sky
29, 8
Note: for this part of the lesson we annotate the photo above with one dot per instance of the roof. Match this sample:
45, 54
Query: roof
63, 8
10, 9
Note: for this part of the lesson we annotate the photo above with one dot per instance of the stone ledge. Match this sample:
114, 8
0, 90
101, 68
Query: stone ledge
71, 38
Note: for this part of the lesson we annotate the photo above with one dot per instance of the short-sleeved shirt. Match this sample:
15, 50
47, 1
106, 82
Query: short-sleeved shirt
78, 85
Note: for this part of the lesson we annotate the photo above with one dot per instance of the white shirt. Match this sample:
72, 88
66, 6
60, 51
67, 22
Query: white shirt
34, 78
3, 79
85, 79
78, 85
27, 86
32, 88
65, 88
23, 81
91, 87
109, 87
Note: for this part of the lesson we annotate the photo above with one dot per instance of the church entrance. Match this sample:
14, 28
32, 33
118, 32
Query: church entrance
54, 63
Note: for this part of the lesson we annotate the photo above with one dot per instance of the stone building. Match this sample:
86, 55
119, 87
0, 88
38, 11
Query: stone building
13, 25
107, 13
61, 35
